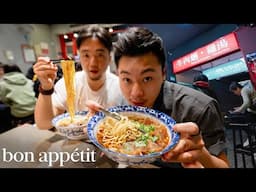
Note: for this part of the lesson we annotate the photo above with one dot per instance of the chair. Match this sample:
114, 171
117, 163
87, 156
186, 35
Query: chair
22, 120
248, 130
5, 116
243, 126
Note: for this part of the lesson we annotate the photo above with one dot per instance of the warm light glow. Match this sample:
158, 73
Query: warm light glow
75, 35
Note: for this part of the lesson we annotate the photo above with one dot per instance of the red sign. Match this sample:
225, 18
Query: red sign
221, 46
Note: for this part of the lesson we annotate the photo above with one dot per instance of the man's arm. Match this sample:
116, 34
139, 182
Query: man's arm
246, 101
208, 160
44, 112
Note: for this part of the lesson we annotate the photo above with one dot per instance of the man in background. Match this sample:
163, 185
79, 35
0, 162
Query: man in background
202, 84
248, 94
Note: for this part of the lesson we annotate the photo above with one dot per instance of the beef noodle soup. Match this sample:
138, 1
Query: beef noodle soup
134, 134
78, 120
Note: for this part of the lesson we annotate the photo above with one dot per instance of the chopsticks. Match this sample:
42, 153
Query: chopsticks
117, 117
54, 61
111, 114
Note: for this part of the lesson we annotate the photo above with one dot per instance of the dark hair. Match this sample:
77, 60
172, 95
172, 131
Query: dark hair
11, 68
95, 31
234, 85
200, 77
138, 41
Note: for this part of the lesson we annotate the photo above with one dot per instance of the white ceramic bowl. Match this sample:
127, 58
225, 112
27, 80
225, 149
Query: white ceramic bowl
72, 131
126, 159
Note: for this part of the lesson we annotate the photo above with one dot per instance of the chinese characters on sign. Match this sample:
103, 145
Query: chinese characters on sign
221, 46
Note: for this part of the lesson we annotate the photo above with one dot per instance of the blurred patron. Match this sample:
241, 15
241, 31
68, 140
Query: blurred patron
1, 70
202, 84
16, 91
248, 94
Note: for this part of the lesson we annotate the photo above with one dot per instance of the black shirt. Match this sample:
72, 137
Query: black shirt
185, 104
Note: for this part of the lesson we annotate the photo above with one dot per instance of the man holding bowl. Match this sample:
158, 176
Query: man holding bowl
140, 60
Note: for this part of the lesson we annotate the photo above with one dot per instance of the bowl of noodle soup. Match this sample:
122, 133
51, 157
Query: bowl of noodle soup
141, 136
72, 130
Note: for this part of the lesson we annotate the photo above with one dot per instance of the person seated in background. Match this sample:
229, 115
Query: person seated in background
4, 109
16, 91
248, 94
247, 111
78, 66
1, 70
140, 61
201, 83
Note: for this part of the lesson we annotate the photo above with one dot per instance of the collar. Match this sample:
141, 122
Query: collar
158, 105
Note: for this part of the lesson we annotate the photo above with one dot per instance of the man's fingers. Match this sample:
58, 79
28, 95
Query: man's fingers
195, 164
186, 157
93, 106
186, 129
44, 59
188, 144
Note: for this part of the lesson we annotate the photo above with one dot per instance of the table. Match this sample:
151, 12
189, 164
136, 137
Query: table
27, 146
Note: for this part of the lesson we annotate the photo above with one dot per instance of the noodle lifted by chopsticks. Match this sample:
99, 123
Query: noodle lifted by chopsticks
68, 69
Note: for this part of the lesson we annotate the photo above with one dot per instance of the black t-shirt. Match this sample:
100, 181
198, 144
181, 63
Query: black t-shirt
185, 104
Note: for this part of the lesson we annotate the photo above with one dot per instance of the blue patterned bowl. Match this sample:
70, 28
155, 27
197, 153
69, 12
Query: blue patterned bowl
72, 131
126, 159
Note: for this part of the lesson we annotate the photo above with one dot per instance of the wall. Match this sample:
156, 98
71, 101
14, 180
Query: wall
55, 31
205, 38
246, 37
42, 33
11, 38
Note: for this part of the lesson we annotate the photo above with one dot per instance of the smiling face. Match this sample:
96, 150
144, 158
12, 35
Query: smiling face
140, 78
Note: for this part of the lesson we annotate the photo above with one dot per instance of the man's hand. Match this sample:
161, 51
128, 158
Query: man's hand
46, 72
189, 147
